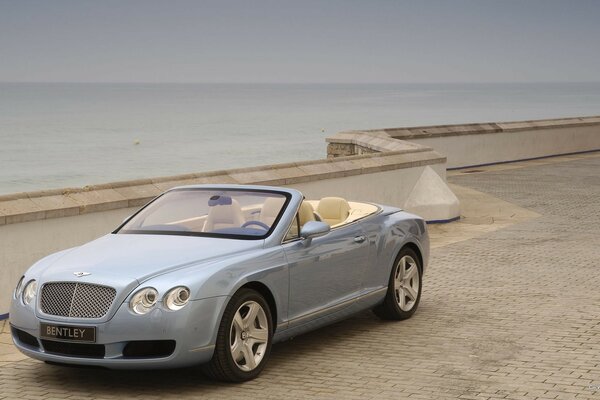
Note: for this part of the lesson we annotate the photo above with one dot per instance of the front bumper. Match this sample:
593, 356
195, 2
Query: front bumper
193, 330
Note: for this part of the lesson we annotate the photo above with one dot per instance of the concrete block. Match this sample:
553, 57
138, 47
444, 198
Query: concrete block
21, 210
264, 177
138, 195
170, 184
326, 170
57, 206
432, 199
290, 174
98, 200
217, 179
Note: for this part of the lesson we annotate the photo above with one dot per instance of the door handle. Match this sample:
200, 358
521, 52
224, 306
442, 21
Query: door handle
360, 239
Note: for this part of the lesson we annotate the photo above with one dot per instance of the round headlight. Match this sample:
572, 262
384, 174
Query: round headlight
143, 301
19, 287
177, 298
29, 291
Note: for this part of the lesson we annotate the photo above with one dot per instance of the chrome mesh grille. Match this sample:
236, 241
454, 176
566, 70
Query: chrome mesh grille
76, 300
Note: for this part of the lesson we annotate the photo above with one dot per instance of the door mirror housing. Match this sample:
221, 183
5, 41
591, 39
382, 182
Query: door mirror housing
313, 229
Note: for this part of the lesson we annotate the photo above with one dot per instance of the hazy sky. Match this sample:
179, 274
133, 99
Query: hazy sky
299, 41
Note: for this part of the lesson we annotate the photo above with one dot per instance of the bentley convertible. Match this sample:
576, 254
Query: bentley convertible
214, 275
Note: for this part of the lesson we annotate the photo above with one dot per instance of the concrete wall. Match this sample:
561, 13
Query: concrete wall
478, 149
476, 144
33, 225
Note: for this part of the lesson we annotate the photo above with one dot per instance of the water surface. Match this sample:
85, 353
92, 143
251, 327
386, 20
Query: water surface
67, 134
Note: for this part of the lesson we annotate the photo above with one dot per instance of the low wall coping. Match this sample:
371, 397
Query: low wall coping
421, 132
46, 204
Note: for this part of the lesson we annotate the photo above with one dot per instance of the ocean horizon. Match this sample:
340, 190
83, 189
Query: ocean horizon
56, 135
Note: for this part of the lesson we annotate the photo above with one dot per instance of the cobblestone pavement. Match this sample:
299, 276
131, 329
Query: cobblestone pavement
510, 314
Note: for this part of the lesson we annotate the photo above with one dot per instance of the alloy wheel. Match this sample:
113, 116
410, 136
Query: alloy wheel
406, 283
249, 335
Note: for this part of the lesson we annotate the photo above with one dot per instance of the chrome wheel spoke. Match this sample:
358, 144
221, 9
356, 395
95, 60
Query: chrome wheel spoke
410, 292
238, 322
401, 268
237, 350
401, 297
410, 272
259, 335
253, 310
398, 283
249, 359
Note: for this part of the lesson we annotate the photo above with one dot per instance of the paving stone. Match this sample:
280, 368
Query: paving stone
512, 313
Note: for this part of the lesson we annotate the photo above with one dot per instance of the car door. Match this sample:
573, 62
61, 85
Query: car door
325, 272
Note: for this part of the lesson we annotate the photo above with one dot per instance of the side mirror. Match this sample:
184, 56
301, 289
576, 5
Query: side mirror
313, 229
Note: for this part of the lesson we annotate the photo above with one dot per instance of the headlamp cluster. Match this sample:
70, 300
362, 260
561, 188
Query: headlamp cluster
26, 292
144, 300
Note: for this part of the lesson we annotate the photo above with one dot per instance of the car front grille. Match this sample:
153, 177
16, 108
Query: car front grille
76, 300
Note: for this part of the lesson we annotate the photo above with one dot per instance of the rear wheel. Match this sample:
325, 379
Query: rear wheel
404, 287
244, 339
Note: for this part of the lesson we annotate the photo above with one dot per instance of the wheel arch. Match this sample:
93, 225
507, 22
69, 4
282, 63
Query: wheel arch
414, 247
268, 295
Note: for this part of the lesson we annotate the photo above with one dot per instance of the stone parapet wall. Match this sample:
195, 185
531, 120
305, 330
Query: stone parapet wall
32, 206
476, 144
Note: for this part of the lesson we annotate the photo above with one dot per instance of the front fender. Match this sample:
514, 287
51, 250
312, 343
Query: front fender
225, 277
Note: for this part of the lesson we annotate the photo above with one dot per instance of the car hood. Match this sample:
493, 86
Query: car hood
127, 257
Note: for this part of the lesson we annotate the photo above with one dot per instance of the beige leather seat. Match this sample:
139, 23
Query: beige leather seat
224, 216
306, 213
333, 210
270, 210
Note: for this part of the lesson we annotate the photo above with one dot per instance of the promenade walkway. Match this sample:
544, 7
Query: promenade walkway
510, 310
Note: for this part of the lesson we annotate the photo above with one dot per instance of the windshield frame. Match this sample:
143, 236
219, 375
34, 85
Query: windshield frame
284, 207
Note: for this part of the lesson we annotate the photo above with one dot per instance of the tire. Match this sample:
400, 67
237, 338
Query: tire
244, 339
404, 291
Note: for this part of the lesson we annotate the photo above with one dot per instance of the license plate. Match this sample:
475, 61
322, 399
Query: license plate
85, 334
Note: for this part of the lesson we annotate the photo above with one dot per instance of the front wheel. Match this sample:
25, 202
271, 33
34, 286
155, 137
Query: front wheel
244, 339
404, 287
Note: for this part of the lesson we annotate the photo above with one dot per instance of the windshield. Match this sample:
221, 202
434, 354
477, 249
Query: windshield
243, 214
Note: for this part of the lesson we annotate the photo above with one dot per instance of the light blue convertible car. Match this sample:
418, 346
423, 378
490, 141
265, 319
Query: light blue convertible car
214, 275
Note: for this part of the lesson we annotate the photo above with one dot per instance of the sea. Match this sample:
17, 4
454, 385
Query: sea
56, 135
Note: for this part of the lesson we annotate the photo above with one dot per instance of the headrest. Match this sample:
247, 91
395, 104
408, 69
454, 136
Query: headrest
272, 206
333, 208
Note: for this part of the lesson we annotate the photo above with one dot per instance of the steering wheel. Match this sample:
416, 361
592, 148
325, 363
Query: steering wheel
256, 223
